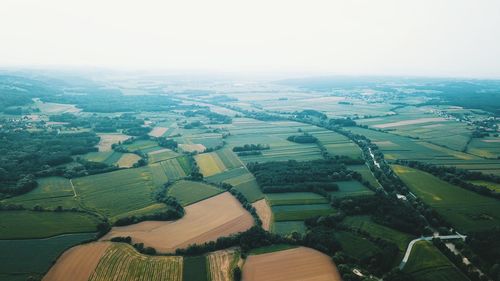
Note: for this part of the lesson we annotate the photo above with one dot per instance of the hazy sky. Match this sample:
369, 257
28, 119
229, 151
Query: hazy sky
418, 37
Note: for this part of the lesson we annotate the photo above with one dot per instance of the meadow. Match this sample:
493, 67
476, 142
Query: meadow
195, 268
366, 174
17, 261
295, 198
465, 210
427, 263
288, 227
356, 246
189, 192
242, 180
300, 212
351, 188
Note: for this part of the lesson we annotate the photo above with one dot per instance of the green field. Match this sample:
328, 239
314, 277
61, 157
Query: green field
356, 246
195, 269
427, 263
161, 155
145, 146
117, 193
491, 185
337, 144
366, 174
295, 198
122, 262
300, 212
172, 169
242, 180
31, 224
288, 227
107, 157
50, 193
189, 192
485, 147
351, 188
466, 210
379, 231
20, 259
272, 248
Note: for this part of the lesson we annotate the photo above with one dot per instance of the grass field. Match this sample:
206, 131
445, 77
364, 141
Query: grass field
491, 185
18, 261
127, 160
108, 157
366, 174
271, 249
300, 212
31, 224
173, 169
295, 198
124, 261
379, 231
466, 210
356, 246
427, 263
488, 147
242, 180
50, 193
210, 164
189, 192
117, 193
161, 155
229, 159
145, 146
195, 268
351, 188
337, 144
288, 227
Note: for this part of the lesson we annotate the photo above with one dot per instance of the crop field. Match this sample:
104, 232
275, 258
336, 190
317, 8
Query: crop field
77, 263
356, 246
186, 147
208, 140
174, 168
195, 268
366, 174
379, 231
207, 220
210, 164
109, 139
300, 212
122, 262
337, 144
145, 146
116, 193
161, 155
158, 131
189, 192
491, 185
229, 159
17, 261
264, 212
108, 157
242, 180
488, 147
288, 227
351, 188
427, 263
298, 264
51, 108
32, 224
127, 160
466, 210
295, 198
221, 264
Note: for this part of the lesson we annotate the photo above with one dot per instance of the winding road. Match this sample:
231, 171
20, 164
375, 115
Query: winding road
428, 238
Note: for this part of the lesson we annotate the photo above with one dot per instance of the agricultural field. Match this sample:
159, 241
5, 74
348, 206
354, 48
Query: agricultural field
33, 224
298, 264
187, 147
288, 227
210, 164
128, 160
107, 140
189, 192
161, 155
18, 263
351, 188
144, 146
108, 157
295, 198
158, 132
300, 212
117, 193
427, 263
242, 180
366, 174
264, 212
124, 261
356, 246
337, 144
221, 264
78, 263
171, 169
491, 185
207, 220
488, 147
195, 268
465, 210
51, 108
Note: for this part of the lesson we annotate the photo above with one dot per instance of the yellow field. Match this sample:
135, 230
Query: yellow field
207, 220
121, 262
298, 264
210, 164
128, 160
221, 264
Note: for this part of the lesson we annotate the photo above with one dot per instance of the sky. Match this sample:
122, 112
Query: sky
310, 37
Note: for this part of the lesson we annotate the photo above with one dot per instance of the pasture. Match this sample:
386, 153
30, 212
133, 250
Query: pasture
350, 189
242, 180
366, 174
295, 198
205, 221
488, 147
356, 246
298, 264
161, 155
465, 210
300, 212
189, 192
491, 185
195, 268
144, 146
427, 263
124, 261
31, 224
337, 144
288, 227
77, 263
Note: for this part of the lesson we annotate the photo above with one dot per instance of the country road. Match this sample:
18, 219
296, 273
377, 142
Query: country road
428, 238
72, 186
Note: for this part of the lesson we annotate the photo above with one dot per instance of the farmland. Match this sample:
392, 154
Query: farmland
107, 140
288, 227
242, 180
356, 246
221, 264
426, 263
189, 192
295, 198
264, 212
17, 261
351, 188
124, 261
300, 212
294, 264
464, 209
195, 268
204, 221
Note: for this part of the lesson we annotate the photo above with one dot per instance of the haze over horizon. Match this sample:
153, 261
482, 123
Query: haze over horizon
389, 37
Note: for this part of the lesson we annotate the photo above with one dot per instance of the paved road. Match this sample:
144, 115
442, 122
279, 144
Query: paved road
428, 238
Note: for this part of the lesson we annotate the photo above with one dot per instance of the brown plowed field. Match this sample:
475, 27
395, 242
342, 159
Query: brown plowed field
264, 212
